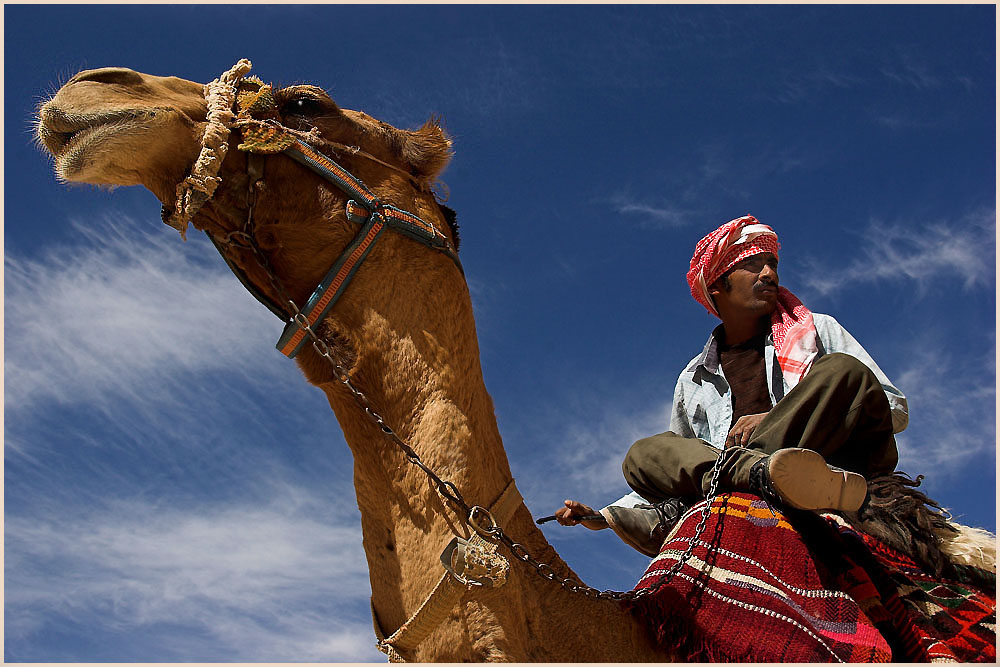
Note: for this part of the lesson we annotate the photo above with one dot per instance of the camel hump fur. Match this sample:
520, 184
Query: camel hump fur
417, 360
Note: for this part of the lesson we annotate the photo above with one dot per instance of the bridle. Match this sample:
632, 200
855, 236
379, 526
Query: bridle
469, 562
256, 119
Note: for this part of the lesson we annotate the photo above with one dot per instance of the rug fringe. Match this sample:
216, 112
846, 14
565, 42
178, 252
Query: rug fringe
677, 633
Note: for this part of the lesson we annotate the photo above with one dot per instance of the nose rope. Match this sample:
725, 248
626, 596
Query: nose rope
200, 184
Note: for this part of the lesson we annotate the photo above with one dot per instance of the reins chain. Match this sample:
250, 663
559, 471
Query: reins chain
475, 514
477, 517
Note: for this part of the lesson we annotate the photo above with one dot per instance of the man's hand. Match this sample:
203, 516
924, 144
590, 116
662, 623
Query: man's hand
568, 516
739, 435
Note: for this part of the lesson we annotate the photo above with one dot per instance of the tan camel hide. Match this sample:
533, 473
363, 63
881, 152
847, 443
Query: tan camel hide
405, 324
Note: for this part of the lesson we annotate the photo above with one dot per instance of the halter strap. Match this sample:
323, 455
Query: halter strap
262, 133
366, 209
365, 204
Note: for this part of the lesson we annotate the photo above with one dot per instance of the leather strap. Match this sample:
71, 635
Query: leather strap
446, 593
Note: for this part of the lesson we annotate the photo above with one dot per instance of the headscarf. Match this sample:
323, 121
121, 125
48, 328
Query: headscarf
792, 326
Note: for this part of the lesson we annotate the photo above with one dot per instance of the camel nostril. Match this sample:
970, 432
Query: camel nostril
116, 75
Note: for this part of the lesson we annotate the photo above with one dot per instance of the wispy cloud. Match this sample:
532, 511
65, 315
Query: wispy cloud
910, 72
952, 405
795, 87
906, 70
736, 167
93, 321
717, 166
967, 82
902, 121
576, 451
142, 501
592, 433
245, 583
924, 253
654, 214
500, 80
590, 459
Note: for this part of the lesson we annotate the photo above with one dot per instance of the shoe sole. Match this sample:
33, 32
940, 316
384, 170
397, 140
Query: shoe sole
803, 480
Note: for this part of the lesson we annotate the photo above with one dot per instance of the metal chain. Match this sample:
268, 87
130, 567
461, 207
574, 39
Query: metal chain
474, 514
546, 572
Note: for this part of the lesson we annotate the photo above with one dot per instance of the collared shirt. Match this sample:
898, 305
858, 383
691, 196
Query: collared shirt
703, 405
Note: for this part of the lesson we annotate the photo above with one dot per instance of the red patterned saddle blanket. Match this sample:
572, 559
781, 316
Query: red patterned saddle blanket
763, 586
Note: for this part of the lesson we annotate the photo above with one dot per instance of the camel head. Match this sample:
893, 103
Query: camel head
189, 144
114, 126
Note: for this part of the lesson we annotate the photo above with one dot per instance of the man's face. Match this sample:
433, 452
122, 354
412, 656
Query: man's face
750, 287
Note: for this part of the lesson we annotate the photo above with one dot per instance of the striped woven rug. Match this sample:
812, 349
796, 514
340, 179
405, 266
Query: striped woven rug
764, 586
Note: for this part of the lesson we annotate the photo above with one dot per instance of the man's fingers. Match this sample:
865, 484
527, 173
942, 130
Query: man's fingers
573, 513
740, 433
578, 508
576, 514
566, 515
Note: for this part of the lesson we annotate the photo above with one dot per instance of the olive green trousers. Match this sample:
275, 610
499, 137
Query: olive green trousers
838, 409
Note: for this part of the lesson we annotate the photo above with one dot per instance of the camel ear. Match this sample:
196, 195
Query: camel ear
427, 150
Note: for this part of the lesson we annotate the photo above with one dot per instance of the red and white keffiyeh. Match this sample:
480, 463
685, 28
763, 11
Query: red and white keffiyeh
794, 336
792, 324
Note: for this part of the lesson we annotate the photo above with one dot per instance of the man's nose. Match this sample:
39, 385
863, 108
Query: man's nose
770, 273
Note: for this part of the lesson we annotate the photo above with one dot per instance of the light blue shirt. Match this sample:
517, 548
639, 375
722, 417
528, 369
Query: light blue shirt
703, 405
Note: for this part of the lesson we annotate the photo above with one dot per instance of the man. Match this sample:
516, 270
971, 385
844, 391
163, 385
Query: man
801, 411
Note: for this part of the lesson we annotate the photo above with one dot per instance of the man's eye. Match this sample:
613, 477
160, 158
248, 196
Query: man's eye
302, 106
757, 264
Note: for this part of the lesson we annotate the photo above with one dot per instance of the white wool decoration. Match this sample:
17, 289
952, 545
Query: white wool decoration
970, 546
200, 185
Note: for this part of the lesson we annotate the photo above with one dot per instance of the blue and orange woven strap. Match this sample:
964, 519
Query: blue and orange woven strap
365, 209
406, 224
305, 154
332, 286
259, 121
364, 202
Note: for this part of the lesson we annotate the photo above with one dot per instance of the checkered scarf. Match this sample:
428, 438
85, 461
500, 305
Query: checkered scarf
794, 336
791, 323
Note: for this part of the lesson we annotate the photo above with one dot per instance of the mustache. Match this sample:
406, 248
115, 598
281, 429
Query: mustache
763, 284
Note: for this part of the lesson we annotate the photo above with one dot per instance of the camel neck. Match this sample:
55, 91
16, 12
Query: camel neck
425, 380
427, 383
416, 358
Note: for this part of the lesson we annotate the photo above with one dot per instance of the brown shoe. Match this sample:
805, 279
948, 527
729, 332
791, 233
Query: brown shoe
645, 527
802, 479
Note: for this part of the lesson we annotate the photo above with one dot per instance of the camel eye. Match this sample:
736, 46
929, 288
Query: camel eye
302, 106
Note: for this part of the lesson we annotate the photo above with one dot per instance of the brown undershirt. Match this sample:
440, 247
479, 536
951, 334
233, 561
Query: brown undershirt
743, 366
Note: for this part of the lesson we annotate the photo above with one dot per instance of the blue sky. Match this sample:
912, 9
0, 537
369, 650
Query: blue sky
175, 491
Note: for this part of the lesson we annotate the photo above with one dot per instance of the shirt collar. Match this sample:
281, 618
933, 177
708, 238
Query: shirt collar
709, 357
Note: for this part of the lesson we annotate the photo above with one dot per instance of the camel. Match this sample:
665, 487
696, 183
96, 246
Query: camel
403, 332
